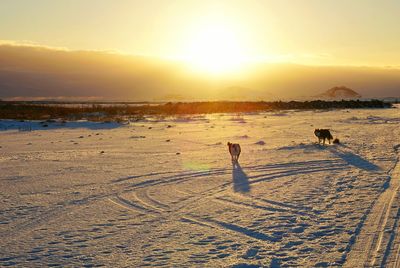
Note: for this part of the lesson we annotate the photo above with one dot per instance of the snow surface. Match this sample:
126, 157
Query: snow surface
163, 192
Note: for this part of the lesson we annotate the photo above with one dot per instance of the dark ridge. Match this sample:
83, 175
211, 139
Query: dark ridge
97, 112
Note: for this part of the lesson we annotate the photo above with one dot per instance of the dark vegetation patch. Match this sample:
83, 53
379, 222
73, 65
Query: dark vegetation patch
97, 112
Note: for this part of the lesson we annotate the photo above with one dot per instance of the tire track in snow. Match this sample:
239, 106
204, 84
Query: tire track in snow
252, 203
185, 176
123, 202
150, 204
211, 192
278, 171
392, 254
18, 230
57, 211
192, 219
144, 198
397, 254
158, 209
374, 242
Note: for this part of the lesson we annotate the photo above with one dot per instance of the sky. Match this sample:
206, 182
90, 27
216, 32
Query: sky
339, 32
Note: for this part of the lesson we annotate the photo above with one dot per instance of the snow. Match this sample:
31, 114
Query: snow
163, 192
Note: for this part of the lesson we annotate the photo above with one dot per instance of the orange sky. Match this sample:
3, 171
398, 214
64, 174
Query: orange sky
227, 49
215, 35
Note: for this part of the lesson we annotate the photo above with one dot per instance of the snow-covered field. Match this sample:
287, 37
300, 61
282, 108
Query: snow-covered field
163, 192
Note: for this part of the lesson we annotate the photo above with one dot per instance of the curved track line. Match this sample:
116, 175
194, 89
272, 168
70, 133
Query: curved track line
54, 212
185, 176
373, 241
148, 204
189, 218
152, 199
118, 200
254, 205
397, 254
142, 197
392, 254
27, 225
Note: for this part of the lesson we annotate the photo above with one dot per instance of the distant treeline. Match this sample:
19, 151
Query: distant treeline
97, 112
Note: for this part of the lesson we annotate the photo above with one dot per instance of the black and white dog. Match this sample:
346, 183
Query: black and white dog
234, 150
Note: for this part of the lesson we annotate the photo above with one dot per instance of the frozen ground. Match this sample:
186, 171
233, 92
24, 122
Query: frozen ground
163, 192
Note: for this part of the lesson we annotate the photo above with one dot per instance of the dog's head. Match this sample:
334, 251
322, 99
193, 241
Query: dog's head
229, 144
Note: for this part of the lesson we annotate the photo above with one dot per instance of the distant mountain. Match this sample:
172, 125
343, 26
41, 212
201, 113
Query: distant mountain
340, 92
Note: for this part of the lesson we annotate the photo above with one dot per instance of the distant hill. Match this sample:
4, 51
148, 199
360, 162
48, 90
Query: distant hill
340, 92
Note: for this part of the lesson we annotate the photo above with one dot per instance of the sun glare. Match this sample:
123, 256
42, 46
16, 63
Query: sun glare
215, 48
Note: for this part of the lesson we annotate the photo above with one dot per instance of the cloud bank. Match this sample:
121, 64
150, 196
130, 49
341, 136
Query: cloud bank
38, 72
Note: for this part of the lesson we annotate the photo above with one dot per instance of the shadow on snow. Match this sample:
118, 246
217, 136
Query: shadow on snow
240, 179
353, 159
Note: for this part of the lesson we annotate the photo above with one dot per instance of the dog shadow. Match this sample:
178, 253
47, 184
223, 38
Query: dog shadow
353, 159
240, 180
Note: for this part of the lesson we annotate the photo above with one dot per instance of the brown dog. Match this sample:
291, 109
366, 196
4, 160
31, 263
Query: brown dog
234, 150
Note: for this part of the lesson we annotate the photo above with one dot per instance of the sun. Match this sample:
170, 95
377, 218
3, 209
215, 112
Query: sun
216, 48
